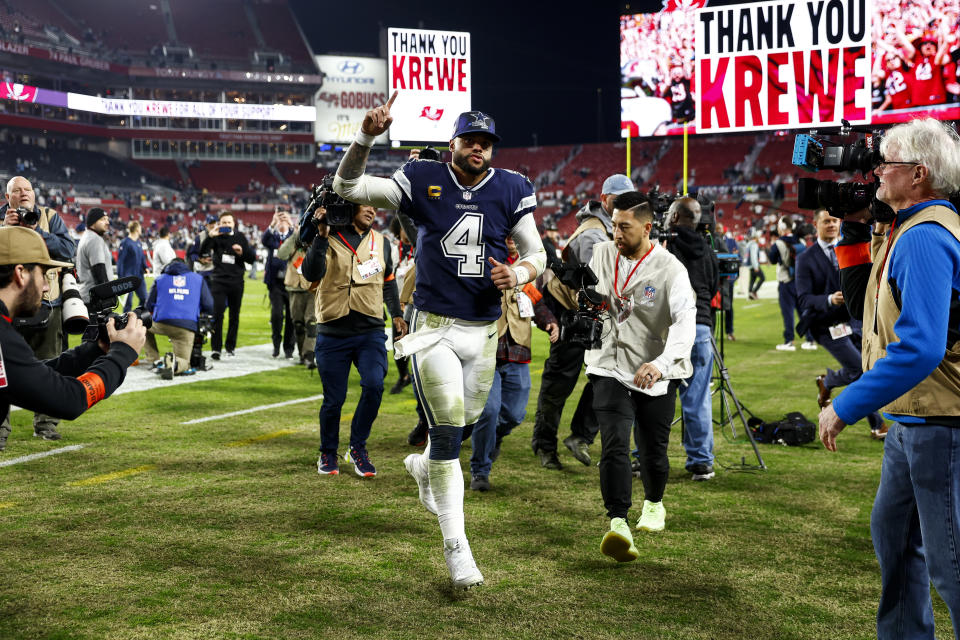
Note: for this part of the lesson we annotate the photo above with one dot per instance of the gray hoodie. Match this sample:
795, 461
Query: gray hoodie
581, 247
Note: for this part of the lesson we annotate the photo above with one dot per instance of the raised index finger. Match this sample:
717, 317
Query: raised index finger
392, 98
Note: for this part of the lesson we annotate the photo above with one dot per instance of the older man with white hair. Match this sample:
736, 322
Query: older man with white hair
911, 342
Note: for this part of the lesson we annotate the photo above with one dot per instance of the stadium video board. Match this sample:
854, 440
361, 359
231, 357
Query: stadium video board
788, 64
431, 70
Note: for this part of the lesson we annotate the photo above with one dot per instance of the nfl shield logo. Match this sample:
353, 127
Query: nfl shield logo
467, 195
649, 293
179, 281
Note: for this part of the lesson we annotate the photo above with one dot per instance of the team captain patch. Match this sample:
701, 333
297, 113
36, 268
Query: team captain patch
433, 191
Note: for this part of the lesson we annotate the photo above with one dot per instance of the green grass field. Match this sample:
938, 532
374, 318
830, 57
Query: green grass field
223, 529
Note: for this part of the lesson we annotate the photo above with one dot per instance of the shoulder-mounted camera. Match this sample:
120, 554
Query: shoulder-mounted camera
339, 212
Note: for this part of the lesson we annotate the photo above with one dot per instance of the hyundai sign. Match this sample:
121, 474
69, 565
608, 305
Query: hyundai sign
351, 87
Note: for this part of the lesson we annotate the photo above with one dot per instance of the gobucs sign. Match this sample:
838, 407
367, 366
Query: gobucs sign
783, 64
431, 69
351, 87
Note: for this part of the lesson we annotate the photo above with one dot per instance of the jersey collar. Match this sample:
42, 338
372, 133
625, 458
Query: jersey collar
475, 187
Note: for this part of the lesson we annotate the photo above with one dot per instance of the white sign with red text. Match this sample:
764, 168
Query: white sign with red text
351, 87
431, 70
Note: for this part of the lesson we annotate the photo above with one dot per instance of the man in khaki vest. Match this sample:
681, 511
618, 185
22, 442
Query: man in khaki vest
911, 364
354, 269
303, 298
46, 339
561, 371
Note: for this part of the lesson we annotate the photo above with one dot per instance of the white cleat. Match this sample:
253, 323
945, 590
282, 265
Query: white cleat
463, 570
414, 467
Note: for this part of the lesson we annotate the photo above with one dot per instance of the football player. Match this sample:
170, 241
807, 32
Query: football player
464, 210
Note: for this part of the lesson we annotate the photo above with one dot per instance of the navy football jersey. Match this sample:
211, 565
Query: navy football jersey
458, 228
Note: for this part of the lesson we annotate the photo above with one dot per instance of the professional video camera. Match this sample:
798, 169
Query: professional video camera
584, 326
339, 211
103, 299
814, 152
204, 327
661, 202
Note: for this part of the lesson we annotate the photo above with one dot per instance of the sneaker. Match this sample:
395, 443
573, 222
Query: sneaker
276, 352
188, 372
786, 346
169, 366
809, 346
47, 431
463, 570
701, 471
400, 385
230, 353
618, 542
418, 435
309, 361
157, 366
215, 355
480, 483
288, 355
731, 337
549, 460
578, 447
361, 462
653, 517
327, 465
415, 467
635, 468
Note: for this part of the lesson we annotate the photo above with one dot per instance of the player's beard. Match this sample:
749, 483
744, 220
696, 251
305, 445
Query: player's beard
463, 163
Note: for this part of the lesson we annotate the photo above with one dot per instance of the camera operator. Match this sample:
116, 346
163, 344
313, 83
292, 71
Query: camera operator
353, 265
783, 253
274, 273
228, 250
94, 259
694, 252
911, 372
562, 367
70, 384
176, 300
202, 263
647, 339
46, 339
303, 298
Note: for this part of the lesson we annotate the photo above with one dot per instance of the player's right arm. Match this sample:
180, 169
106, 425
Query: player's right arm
351, 182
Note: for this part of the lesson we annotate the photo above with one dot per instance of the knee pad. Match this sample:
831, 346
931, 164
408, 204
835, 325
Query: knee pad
311, 329
445, 442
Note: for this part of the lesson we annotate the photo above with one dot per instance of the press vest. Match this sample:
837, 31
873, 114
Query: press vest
53, 275
342, 289
293, 280
939, 393
178, 297
510, 319
564, 294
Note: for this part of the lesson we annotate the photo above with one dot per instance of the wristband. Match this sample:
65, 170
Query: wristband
364, 139
523, 276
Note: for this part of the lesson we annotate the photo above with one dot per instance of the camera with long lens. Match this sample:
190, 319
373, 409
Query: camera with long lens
583, 326
814, 153
339, 212
104, 298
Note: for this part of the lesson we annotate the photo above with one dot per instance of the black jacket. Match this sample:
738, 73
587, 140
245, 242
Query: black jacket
693, 250
63, 387
232, 269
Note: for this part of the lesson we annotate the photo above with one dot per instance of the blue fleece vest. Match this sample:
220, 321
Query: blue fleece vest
178, 297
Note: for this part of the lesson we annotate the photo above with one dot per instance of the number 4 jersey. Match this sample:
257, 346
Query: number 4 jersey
458, 229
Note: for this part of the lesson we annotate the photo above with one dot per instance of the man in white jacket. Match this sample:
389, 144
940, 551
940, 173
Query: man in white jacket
163, 253
648, 333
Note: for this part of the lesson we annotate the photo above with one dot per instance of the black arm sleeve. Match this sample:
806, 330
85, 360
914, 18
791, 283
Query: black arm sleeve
391, 295
409, 227
314, 265
99, 272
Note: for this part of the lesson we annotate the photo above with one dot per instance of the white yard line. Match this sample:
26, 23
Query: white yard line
44, 454
262, 407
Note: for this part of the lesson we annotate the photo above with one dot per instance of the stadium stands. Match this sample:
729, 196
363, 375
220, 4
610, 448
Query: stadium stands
300, 174
230, 177
228, 37
280, 32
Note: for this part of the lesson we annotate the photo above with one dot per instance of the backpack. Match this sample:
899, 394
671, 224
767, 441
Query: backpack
792, 431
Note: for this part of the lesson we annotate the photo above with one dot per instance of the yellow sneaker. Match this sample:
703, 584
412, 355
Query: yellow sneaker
653, 517
618, 542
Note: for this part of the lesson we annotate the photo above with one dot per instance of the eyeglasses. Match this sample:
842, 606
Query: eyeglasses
886, 163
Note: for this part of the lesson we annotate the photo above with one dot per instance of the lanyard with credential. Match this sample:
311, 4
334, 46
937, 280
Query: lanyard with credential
349, 246
616, 272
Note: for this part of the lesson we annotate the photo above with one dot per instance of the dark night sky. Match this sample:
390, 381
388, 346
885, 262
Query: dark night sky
537, 66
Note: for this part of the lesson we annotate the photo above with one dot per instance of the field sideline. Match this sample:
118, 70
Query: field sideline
223, 529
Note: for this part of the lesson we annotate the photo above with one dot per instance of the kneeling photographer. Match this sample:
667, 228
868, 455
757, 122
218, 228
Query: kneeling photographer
352, 263
176, 300
68, 385
648, 333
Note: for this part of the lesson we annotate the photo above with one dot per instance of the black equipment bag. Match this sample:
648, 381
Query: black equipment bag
793, 430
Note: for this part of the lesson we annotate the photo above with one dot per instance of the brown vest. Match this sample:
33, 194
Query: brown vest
939, 393
564, 294
53, 275
342, 289
510, 319
409, 285
293, 280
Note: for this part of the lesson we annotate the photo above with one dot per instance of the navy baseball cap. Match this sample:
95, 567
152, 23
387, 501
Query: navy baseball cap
211, 219
475, 122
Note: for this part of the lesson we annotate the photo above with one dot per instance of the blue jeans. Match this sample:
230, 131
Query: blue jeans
915, 525
141, 292
696, 403
334, 355
506, 408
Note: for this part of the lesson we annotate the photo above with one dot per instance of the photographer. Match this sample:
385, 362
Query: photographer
176, 300
303, 298
46, 338
783, 253
274, 273
694, 252
66, 386
94, 260
354, 269
202, 263
561, 371
228, 249
647, 338
911, 371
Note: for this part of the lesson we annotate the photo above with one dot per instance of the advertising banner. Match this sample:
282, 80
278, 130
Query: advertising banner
351, 87
431, 70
